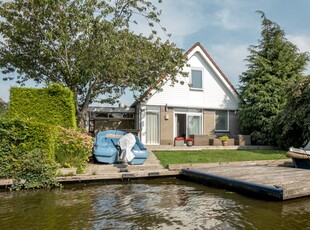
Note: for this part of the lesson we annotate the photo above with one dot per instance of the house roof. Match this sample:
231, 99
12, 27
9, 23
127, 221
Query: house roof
2, 101
213, 62
186, 54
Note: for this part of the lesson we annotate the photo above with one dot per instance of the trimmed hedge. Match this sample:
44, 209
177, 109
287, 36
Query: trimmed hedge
31, 152
19, 138
35, 171
53, 105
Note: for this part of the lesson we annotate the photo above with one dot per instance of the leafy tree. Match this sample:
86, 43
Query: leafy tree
293, 122
87, 46
274, 65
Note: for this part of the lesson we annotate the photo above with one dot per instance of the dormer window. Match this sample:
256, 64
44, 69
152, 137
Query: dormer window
196, 79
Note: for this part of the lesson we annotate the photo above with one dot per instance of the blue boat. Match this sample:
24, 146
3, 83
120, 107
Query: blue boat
107, 148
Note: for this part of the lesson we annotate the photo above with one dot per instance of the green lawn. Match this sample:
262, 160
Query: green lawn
207, 156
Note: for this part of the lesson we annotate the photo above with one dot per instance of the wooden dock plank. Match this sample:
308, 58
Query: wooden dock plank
293, 182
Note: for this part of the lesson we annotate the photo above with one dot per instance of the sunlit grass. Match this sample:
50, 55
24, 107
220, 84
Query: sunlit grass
208, 156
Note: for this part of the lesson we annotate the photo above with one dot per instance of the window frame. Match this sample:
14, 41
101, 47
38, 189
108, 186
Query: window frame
227, 122
191, 79
187, 112
200, 115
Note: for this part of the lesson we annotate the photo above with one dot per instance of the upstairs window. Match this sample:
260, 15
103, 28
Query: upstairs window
196, 80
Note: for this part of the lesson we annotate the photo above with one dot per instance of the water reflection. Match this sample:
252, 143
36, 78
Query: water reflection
159, 204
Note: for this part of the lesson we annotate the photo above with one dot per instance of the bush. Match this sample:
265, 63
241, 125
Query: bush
3, 110
35, 170
73, 148
30, 151
68, 147
53, 105
224, 138
27, 154
20, 137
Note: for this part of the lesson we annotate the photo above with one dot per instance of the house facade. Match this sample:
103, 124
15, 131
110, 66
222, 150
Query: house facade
207, 104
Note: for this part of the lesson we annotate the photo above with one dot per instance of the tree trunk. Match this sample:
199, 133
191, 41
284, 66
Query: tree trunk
82, 118
82, 113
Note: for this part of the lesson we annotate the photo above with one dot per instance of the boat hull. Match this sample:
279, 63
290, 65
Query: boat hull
300, 160
106, 149
301, 163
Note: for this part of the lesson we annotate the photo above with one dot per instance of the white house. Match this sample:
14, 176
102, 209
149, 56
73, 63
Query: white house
206, 104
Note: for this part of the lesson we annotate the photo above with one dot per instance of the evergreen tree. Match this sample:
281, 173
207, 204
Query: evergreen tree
274, 65
293, 123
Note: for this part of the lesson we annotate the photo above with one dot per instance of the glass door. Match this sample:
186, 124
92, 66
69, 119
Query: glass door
152, 128
194, 124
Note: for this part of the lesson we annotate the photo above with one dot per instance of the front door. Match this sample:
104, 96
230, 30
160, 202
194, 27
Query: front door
180, 121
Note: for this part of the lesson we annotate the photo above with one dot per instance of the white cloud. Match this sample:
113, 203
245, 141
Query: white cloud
226, 19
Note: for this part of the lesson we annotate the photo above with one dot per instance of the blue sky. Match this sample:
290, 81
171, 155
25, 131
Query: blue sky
226, 28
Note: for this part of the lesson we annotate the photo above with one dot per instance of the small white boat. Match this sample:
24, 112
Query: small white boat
300, 157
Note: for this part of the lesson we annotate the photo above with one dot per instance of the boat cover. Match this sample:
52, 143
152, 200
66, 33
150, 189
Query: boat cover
126, 143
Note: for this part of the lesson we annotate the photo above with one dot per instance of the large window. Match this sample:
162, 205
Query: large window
194, 124
221, 120
152, 125
196, 81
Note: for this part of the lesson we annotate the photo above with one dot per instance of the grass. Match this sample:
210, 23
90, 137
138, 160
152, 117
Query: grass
208, 156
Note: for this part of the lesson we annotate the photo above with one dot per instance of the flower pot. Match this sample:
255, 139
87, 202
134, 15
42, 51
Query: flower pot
189, 143
224, 143
178, 142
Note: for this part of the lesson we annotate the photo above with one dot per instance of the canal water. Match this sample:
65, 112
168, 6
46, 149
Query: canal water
156, 204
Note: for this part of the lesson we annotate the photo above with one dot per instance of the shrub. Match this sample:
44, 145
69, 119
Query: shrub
73, 148
35, 170
53, 105
224, 138
29, 151
3, 110
20, 137
28, 135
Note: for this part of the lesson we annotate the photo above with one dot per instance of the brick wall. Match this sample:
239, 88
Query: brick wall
166, 126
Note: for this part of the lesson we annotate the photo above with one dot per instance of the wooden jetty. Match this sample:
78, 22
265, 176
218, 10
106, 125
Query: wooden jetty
280, 183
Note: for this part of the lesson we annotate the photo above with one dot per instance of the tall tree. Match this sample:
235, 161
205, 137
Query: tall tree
86, 45
273, 66
293, 122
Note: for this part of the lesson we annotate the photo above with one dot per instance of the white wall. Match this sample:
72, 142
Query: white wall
216, 94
